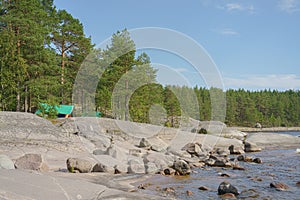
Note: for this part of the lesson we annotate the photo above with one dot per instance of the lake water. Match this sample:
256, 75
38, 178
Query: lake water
253, 183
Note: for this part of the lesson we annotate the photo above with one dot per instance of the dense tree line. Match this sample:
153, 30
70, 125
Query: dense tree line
42, 50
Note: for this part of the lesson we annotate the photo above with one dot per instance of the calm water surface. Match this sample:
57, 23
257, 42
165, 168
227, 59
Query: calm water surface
254, 183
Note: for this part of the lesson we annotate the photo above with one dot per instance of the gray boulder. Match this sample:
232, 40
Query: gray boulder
226, 187
6, 162
136, 166
31, 162
193, 148
98, 167
151, 168
78, 164
160, 160
251, 147
182, 167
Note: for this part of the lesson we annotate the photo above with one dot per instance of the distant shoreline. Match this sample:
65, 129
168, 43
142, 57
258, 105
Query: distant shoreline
271, 129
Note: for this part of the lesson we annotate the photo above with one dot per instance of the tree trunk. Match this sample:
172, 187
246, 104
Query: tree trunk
126, 100
18, 98
62, 71
26, 99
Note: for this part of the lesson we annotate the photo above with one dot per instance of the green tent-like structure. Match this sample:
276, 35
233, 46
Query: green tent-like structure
61, 109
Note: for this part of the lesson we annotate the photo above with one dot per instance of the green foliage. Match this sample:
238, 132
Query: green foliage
202, 131
30, 68
49, 112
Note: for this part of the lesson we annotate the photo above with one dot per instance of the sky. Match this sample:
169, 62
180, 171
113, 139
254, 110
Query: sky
254, 44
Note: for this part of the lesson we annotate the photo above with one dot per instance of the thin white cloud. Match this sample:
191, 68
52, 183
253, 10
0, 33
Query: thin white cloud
180, 70
274, 81
228, 31
234, 6
237, 7
289, 6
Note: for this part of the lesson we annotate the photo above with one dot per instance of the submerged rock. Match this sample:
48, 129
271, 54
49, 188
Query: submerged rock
279, 186
203, 188
226, 187
257, 160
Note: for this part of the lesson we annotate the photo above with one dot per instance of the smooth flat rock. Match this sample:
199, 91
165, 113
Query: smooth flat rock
274, 140
18, 184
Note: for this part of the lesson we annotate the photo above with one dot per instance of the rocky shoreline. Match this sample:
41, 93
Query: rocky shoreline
271, 129
106, 155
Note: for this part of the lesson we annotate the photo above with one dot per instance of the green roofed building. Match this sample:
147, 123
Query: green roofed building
62, 110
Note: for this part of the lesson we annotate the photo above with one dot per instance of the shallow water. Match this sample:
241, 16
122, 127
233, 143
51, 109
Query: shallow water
253, 183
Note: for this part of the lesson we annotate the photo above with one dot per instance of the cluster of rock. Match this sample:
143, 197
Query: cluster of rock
26, 162
148, 158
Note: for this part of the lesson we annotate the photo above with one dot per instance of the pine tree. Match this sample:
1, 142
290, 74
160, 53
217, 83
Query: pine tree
72, 46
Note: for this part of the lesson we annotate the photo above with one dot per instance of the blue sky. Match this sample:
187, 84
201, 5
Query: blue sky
255, 44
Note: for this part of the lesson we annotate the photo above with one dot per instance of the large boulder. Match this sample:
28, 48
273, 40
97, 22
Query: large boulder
136, 166
78, 164
160, 160
182, 167
6, 162
31, 162
226, 187
151, 168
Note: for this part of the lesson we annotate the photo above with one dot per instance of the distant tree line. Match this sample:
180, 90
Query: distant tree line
42, 50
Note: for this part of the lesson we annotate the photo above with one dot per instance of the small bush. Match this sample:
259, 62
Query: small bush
202, 131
